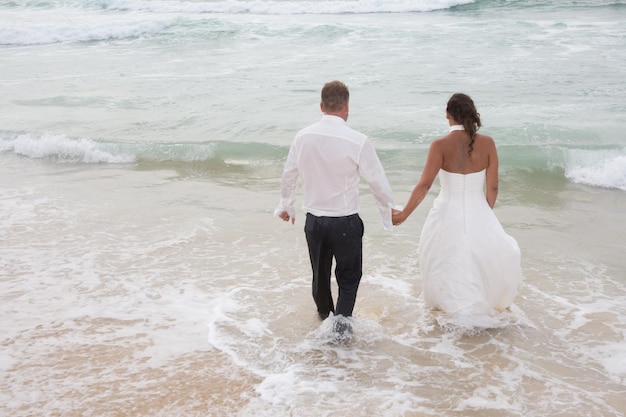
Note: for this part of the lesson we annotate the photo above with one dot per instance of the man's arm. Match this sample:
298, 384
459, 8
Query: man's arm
372, 171
286, 209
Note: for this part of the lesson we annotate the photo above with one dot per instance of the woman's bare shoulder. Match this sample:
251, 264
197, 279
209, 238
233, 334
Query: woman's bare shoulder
438, 142
442, 140
485, 140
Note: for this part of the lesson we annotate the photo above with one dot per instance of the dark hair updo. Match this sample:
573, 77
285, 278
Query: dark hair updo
462, 109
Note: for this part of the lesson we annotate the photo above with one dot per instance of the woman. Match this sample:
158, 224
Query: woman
470, 267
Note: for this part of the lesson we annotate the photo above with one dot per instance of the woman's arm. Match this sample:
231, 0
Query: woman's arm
431, 169
492, 174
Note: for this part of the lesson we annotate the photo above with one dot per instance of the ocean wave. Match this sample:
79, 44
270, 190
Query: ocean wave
42, 29
63, 149
289, 7
271, 7
599, 168
38, 23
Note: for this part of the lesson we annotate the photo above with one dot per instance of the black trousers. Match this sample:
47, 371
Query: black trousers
340, 238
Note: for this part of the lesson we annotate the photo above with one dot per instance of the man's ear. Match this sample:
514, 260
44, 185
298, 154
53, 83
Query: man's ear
322, 107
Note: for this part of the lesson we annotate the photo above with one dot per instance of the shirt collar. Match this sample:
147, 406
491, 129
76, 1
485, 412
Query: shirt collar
334, 118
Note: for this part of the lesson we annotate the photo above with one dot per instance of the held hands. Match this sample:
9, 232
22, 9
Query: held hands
397, 217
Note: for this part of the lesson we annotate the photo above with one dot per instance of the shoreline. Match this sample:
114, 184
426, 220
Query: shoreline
141, 268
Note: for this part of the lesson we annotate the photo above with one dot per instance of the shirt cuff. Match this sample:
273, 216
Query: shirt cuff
386, 214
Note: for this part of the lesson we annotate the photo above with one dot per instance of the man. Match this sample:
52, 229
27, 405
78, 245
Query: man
330, 158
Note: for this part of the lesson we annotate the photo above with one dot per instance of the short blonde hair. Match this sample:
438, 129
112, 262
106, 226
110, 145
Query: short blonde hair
335, 95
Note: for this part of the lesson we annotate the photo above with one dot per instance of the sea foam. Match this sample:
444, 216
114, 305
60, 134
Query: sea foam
600, 168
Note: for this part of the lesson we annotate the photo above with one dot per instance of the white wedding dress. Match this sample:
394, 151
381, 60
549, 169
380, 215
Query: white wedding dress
469, 265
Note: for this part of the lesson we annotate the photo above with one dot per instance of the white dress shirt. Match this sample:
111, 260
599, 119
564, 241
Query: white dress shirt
330, 158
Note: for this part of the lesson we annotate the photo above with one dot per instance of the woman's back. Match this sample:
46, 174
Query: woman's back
456, 157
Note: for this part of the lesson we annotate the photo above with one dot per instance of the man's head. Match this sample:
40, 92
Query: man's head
335, 98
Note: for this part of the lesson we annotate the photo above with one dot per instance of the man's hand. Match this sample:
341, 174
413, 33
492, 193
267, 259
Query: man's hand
285, 216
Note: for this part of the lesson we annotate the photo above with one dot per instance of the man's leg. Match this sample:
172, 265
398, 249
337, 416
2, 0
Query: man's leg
321, 263
347, 243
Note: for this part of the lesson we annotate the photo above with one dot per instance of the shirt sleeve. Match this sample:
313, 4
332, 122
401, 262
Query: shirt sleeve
372, 171
289, 184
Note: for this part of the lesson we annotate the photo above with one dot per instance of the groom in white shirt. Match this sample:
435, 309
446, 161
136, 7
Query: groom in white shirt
330, 158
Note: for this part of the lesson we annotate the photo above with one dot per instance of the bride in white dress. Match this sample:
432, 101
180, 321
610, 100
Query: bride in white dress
470, 266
